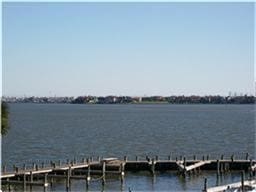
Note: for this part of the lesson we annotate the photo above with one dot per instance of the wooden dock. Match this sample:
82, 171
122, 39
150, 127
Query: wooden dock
97, 170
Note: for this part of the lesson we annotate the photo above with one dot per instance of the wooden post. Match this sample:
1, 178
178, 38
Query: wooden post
153, 166
205, 185
51, 182
88, 176
59, 163
169, 158
247, 156
251, 171
184, 167
242, 181
31, 180
221, 168
68, 178
218, 167
207, 157
125, 158
203, 157
83, 160
222, 157
122, 172
103, 173
45, 181
36, 167
194, 157
9, 186
232, 158
24, 182
137, 158
24, 167
156, 158
42, 165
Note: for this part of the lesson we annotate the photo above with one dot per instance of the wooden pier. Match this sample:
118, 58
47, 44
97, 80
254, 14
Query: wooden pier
97, 170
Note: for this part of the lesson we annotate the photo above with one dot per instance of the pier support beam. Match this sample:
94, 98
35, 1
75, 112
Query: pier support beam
242, 181
68, 178
122, 172
24, 182
218, 167
205, 185
153, 166
184, 169
103, 173
45, 182
88, 176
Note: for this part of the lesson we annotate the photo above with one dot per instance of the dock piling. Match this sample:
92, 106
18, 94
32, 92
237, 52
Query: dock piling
88, 176
103, 173
122, 172
24, 182
31, 180
68, 178
152, 166
205, 185
184, 165
218, 167
242, 181
45, 181
247, 156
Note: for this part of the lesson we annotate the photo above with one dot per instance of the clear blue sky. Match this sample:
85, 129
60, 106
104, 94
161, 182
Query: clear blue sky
136, 49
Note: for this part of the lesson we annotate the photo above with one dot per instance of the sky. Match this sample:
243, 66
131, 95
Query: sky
135, 49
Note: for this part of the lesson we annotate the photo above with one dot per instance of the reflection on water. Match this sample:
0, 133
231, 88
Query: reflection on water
142, 181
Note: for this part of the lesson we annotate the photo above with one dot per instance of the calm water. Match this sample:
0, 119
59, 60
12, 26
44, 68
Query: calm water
53, 132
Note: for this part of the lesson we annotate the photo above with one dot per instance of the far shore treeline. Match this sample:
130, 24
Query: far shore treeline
212, 99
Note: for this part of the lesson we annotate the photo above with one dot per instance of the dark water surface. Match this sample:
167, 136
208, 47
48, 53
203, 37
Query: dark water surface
61, 131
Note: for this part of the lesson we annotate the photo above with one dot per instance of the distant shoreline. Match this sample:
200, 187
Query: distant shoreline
142, 103
212, 99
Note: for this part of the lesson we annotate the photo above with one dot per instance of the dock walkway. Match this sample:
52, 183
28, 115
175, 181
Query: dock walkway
88, 169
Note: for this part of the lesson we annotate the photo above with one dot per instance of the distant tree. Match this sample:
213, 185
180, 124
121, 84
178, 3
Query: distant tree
4, 118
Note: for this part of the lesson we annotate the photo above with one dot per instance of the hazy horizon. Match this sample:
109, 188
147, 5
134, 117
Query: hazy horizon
133, 49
